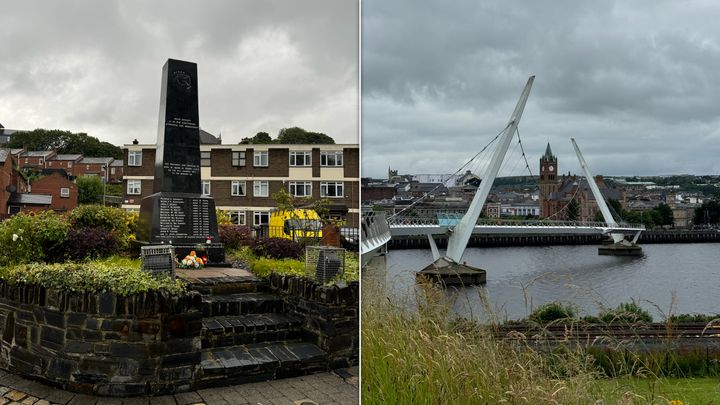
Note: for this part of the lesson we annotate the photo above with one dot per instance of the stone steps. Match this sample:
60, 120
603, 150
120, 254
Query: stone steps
240, 304
249, 328
260, 362
225, 284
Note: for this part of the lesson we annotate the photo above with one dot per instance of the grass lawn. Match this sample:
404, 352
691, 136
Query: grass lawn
661, 391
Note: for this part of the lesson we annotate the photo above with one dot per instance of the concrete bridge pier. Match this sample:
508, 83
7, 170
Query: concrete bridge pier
621, 246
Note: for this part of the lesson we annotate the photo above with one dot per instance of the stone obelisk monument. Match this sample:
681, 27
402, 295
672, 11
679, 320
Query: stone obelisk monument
177, 213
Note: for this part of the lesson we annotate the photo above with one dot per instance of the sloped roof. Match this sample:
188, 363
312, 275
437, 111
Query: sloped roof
74, 156
96, 160
4, 153
206, 138
36, 199
117, 163
37, 153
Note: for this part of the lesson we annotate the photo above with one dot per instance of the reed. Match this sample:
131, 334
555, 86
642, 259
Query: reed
419, 354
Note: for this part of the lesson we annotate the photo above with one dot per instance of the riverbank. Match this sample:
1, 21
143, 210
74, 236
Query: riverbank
438, 359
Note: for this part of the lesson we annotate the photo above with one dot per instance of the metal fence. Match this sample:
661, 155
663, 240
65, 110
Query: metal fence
350, 237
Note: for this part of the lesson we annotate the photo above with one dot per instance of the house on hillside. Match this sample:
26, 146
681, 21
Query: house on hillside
56, 183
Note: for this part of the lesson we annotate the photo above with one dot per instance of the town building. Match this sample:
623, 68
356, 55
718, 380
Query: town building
242, 178
557, 193
55, 184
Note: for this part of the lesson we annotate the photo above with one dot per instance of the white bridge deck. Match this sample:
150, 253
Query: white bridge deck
413, 226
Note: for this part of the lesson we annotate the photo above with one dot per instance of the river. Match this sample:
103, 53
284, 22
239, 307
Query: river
682, 278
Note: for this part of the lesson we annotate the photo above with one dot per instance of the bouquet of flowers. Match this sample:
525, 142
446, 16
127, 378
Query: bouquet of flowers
192, 261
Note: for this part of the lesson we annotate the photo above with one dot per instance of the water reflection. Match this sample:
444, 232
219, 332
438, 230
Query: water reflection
520, 278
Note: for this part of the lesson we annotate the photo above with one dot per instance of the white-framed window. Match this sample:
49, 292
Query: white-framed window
260, 158
261, 218
237, 217
205, 158
134, 158
300, 158
331, 158
237, 188
50, 163
260, 188
41, 160
206, 187
87, 167
300, 188
69, 165
133, 187
64, 192
332, 189
238, 158
112, 170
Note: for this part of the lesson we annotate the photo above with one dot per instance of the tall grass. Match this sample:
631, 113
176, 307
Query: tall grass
424, 356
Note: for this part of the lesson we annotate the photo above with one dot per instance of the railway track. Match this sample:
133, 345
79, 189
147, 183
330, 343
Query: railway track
592, 332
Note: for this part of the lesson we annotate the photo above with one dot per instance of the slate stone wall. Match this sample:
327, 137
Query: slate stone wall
331, 315
102, 344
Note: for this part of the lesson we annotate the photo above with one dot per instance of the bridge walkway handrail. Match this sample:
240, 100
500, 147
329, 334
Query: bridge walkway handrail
450, 222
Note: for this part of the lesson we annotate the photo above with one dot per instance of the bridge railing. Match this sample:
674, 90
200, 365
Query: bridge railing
452, 221
374, 230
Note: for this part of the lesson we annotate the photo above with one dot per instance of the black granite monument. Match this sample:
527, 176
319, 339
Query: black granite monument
176, 213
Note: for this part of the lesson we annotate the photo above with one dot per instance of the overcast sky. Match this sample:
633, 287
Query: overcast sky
637, 83
95, 66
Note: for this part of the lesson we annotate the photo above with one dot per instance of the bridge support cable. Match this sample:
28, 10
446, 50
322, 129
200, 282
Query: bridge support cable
458, 240
621, 246
420, 199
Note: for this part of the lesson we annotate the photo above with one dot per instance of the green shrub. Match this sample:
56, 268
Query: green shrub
33, 237
114, 220
552, 311
263, 267
95, 276
278, 248
626, 312
688, 318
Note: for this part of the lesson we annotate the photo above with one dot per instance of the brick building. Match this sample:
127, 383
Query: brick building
116, 171
556, 193
62, 191
67, 162
10, 180
94, 166
242, 178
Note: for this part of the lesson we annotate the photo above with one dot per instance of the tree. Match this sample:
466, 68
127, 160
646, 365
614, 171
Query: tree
665, 213
296, 135
707, 213
572, 212
261, 138
90, 190
64, 142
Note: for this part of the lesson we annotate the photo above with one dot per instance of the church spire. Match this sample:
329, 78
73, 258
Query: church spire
548, 152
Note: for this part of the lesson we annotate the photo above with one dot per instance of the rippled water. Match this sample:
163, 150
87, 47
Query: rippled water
519, 278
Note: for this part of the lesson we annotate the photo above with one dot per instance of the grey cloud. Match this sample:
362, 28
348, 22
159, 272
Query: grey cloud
632, 81
95, 66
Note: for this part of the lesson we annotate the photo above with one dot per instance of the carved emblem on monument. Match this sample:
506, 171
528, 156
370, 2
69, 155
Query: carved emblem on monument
182, 80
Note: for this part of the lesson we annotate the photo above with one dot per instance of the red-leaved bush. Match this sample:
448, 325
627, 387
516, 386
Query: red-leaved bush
90, 243
278, 248
235, 236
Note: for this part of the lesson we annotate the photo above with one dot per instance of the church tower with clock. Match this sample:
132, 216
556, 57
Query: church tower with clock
548, 180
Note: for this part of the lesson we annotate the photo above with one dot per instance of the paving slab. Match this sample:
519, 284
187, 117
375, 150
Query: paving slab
340, 386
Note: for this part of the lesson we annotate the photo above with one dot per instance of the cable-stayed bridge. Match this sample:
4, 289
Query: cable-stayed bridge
460, 227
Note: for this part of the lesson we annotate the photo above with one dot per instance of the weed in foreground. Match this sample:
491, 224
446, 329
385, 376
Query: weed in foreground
424, 356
